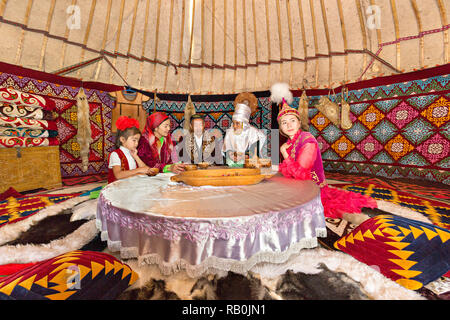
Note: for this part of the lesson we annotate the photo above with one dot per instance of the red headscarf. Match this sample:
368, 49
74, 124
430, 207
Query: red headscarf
153, 121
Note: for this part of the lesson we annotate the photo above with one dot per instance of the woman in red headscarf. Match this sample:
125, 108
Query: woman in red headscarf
155, 147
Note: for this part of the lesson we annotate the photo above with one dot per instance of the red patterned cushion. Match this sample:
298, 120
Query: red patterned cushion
76, 275
8, 269
410, 252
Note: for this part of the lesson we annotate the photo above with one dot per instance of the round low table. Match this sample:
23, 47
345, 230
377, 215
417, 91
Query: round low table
201, 229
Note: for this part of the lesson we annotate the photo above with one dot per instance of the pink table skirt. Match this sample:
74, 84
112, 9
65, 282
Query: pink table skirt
142, 223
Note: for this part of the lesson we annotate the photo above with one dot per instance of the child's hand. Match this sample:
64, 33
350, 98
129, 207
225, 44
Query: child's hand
143, 170
134, 153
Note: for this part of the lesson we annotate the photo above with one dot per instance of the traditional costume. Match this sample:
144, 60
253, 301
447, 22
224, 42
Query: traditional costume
243, 142
122, 156
305, 163
200, 148
156, 153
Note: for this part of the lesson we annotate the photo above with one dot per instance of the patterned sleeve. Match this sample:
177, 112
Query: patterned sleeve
145, 153
300, 168
209, 149
307, 156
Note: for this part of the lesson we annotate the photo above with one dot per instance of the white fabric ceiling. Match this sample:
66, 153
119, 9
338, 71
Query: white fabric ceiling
228, 46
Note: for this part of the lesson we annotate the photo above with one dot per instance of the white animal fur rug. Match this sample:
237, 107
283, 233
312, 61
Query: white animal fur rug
337, 276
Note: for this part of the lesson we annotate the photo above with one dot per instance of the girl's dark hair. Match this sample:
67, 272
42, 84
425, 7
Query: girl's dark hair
126, 133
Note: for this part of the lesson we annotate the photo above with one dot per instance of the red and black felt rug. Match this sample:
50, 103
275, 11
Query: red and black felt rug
72, 181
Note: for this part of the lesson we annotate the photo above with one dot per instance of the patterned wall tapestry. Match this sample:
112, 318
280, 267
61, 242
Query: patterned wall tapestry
399, 130
69, 151
100, 104
218, 115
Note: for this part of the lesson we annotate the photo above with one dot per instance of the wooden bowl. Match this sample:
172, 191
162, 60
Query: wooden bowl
154, 173
190, 167
203, 165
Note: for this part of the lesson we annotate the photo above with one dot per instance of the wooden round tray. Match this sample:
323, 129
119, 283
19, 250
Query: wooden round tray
220, 177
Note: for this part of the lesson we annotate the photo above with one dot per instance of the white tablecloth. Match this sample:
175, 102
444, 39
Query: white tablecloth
205, 228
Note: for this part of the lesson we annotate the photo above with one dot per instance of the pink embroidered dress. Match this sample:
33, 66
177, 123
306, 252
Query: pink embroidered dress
305, 163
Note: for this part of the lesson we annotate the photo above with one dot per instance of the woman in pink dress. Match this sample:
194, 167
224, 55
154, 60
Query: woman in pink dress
303, 161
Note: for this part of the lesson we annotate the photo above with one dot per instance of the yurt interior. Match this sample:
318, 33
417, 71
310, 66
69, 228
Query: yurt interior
224, 150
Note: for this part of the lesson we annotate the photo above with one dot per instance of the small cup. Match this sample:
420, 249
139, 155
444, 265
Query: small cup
251, 163
265, 163
154, 172
203, 165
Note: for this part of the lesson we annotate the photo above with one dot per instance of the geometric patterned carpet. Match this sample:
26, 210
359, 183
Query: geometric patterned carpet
436, 211
13, 210
421, 188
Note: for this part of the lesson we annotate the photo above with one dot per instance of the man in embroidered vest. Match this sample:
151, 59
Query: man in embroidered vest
199, 144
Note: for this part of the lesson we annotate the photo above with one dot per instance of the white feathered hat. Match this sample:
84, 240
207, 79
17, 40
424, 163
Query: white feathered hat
281, 94
279, 91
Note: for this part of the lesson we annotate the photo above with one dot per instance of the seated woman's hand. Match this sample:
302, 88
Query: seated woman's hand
283, 149
176, 168
152, 171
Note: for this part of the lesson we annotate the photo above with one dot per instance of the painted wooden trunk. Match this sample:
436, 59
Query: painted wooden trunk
30, 168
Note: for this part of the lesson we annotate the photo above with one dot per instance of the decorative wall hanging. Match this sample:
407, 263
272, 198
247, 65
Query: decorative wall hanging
189, 111
84, 133
329, 109
129, 104
346, 122
303, 109
248, 99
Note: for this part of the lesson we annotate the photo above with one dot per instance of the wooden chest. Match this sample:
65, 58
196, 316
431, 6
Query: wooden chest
29, 168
